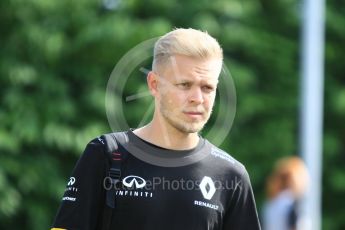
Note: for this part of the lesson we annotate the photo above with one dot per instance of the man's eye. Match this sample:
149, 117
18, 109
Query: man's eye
208, 89
184, 85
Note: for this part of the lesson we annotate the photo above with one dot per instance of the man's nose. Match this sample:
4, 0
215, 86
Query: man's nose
196, 96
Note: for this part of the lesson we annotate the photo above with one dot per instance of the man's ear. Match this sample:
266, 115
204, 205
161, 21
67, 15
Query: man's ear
152, 82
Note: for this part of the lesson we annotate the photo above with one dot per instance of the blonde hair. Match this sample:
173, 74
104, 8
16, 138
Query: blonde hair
188, 42
289, 173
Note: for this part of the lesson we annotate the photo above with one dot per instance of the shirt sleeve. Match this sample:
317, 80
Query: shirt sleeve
241, 212
83, 201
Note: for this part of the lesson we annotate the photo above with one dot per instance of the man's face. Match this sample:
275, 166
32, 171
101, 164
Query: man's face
187, 90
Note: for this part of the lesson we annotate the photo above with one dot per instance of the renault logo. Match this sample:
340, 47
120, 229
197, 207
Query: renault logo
207, 187
129, 181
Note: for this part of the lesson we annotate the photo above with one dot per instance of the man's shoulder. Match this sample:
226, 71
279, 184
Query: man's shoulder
226, 159
102, 138
97, 149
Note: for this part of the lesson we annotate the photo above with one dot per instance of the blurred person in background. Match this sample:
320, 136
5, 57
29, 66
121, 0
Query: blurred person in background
285, 187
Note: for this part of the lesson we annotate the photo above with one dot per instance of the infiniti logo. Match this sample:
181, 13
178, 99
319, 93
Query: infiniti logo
137, 181
71, 181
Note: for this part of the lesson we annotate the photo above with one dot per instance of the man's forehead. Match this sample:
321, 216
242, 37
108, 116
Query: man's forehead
208, 64
186, 66
201, 78
212, 70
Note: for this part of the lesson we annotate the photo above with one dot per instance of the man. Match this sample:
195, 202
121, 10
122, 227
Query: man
213, 190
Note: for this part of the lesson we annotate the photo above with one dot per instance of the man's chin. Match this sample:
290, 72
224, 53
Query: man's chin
188, 128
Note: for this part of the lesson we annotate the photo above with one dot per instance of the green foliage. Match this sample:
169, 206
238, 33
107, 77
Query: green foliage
56, 58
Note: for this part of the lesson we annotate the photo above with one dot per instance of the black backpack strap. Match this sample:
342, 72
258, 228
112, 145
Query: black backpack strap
113, 174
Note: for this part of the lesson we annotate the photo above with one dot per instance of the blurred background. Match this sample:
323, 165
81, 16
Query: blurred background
56, 58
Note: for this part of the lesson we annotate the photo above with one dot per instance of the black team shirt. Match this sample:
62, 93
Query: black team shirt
210, 190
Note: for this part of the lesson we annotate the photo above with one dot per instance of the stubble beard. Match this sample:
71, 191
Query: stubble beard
180, 124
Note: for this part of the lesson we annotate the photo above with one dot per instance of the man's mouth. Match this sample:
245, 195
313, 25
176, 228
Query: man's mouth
193, 114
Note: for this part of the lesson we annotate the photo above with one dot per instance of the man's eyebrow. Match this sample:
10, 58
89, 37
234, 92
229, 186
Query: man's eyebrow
213, 81
182, 79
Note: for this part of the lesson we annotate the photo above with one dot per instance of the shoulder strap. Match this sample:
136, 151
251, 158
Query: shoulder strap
113, 174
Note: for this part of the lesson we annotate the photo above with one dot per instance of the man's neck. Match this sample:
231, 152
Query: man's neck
167, 138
